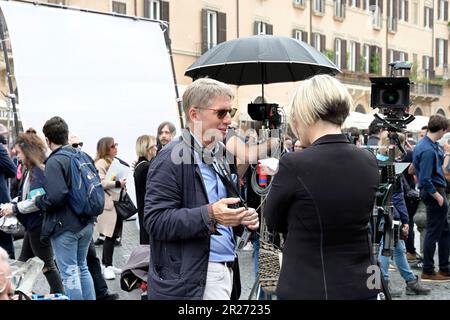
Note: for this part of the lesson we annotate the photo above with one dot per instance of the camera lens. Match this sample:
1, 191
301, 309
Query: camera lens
390, 96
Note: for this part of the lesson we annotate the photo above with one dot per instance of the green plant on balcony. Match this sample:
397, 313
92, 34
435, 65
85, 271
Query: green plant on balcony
362, 64
330, 54
375, 64
413, 74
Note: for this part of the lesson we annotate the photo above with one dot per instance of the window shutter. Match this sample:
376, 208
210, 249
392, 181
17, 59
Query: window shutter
204, 30
358, 3
164, 14
439, 9
221, 27
364, 4
406, 10
294, 31
431, 17
389, 8
343, 9
437, 52
446, 10
146, 9
423, 62
425, 16
322, 43
255, 28
445, 51
357, 56
380, 53
372, 3
344, 54
305, 36
313, 39
432, 73
269, 28
381, 6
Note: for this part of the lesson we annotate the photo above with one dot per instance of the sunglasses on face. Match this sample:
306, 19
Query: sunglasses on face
223, 112
115, 145
76, 145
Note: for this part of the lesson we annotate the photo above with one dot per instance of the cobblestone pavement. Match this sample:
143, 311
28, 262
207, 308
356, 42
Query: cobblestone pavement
130, 240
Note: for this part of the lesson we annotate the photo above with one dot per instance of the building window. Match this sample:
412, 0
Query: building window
427, 66
415, 8
376, 14
441, 112
403, 10
366, 54
339, 8
155, 9
392, 19
352, 57
300, 35
212, 29
428, 16
440, 52
119, 7
418, 112
353, 3
319, 6
337, 53
442, 10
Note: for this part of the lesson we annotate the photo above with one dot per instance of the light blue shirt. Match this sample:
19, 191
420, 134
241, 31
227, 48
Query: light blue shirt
221, 246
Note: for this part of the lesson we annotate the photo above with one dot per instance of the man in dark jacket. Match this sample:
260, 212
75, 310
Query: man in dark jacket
186, 209
7, 170
69, 234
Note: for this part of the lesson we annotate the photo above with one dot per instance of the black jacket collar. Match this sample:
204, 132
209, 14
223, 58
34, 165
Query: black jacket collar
331, 138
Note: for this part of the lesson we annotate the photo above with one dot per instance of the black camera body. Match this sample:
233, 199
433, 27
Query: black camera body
391, 96
266, 113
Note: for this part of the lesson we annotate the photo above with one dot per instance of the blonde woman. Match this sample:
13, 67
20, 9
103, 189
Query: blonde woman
322, 198
146, 150
108, 224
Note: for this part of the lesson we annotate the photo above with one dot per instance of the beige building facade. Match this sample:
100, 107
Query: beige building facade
360, 36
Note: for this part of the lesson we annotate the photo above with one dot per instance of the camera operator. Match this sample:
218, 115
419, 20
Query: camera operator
327, 251
376, 131
428, 160
413, 285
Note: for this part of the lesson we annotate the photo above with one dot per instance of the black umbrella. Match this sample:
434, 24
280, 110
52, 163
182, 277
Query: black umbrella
261, 59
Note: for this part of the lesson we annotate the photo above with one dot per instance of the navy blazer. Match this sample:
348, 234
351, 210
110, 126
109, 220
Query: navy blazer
7, 170
176, 218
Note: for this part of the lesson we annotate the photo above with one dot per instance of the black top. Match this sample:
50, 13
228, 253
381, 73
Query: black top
323, 197
140, 181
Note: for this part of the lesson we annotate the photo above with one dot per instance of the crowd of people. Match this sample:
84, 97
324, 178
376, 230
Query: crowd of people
194, 198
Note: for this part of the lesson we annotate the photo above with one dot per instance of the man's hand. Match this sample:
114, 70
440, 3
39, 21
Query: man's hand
439, 198
404, 232
251, 219
227, 216
6, 209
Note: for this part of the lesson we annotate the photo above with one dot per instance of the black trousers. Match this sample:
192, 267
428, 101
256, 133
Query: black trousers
6, 242
33, 247
411, 205
93, 263
108, 245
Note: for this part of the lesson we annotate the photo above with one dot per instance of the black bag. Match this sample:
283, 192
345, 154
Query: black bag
125, 208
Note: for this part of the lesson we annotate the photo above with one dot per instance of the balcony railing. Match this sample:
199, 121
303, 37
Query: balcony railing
426, 89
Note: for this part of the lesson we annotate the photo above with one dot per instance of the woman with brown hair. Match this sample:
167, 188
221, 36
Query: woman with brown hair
31, 152
108, 224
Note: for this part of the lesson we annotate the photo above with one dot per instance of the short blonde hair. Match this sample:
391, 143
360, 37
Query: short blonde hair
201, 92
143, 144
321, 97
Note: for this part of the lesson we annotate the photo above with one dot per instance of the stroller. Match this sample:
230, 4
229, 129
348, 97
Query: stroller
134, 273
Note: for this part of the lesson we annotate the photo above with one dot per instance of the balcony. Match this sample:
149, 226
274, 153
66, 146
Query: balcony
425, 89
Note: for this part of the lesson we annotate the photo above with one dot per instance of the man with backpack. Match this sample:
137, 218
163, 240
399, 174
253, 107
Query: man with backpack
69, 209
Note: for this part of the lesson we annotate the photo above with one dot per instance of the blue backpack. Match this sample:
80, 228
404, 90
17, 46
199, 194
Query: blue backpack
86, 195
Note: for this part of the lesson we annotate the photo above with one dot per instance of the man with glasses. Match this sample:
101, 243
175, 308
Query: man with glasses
188, 208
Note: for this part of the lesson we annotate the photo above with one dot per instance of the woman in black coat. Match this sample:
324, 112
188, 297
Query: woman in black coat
323, 197
146, 150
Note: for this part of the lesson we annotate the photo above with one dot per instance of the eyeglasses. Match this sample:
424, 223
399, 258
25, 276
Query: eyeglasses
115, 145
76, 145
223, 112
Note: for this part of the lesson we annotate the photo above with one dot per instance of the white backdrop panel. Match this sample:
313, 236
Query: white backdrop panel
105, 75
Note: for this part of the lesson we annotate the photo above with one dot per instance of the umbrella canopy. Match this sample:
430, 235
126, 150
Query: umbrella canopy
261, 59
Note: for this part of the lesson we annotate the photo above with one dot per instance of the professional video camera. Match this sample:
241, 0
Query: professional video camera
267, 113
391, 96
